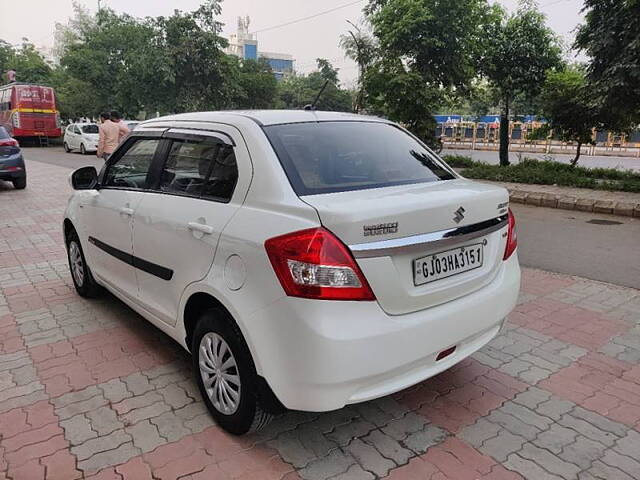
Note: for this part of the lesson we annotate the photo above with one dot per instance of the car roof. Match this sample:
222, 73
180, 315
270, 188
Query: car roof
273, 117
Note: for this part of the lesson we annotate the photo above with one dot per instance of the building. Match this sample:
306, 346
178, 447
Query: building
245, 45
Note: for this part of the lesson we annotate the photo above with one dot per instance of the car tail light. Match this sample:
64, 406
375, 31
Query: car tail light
58, 122
512, 237
16, 119
9, 142
313, 263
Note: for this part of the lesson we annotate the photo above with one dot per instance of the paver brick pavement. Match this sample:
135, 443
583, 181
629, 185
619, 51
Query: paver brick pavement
88, 389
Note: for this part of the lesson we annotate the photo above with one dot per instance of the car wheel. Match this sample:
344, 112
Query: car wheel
83, 150
20, 183
82, 278
226, 374
66, 147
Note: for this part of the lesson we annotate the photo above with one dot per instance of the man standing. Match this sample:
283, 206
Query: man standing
108, 137
123, 129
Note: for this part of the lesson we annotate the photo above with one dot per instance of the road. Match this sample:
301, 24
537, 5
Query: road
563, 241
624, 163
556, 240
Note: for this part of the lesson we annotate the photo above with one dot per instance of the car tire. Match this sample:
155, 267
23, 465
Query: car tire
83, 151
66, 147
217, 332
83, 280
20, 183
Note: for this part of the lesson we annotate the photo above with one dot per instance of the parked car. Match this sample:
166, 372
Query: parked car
12, 167
307, 260
82, 137
132, 124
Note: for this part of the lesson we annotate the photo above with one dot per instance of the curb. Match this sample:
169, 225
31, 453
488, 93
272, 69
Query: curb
565, 202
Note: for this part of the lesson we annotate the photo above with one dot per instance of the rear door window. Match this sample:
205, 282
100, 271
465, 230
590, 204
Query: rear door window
204, 168
328, 157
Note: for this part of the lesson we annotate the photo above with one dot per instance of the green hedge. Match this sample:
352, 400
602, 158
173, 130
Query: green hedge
545, 172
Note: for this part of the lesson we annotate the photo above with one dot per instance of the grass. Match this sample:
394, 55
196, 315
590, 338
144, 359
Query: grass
546, 172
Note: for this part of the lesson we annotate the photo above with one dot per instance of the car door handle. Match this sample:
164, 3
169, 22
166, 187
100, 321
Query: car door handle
200, 227
126, 211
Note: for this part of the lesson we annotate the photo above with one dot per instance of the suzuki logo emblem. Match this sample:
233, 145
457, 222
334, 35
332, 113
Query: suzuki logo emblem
459, 215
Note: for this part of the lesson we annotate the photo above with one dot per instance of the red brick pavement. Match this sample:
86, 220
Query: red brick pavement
90, 390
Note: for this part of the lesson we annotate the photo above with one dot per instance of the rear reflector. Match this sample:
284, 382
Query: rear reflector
445, 353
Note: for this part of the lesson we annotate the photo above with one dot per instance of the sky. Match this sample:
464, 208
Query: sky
306, 40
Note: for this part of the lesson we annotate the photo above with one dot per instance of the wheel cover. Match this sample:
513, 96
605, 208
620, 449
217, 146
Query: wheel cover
219, 373
76, 264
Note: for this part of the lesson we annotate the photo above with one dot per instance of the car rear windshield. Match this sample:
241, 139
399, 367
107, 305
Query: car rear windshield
3, 133
329, 157
89, 129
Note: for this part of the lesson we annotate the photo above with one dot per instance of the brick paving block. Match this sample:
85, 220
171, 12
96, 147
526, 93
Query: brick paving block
335, 463
175, 396
302, 446
602, 471
115, 390
629, 465
388, 447
529, 469
588, 430
556, 438
104, 420
60, 466
77, 429
109, 458
355, 472
134, 469
145, 436
402, 427
583, 452
502, 445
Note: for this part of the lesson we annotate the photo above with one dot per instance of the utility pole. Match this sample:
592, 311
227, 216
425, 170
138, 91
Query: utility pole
99, 5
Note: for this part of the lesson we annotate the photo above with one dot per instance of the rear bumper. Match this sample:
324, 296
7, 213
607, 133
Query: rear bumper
322, 355
12, 167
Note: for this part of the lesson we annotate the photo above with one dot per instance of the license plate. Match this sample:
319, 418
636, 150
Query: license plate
445, 264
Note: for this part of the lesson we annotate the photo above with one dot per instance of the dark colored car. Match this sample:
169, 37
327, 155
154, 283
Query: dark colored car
12, 166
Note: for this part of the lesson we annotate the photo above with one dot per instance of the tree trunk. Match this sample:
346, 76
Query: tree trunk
574, 162
504, 134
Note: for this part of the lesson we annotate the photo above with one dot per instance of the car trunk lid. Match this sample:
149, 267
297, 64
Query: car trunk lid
389, 228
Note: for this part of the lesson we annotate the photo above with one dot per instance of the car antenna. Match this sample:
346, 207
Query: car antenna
312, 106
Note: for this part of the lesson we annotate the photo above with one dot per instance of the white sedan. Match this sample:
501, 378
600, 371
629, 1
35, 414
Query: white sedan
82, 137
307, 260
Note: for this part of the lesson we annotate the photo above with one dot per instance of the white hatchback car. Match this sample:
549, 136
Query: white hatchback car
82, 137
307, 260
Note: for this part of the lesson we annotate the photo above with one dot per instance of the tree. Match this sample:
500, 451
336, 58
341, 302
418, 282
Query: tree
521, 50
29, 64
297, 91
258, 86
426, 48
361, 48
195, 73
566, 103
118, 56
610, 36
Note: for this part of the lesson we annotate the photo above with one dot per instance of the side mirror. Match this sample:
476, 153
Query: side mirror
85, 178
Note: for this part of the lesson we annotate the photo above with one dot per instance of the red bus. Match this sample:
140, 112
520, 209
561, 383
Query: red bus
29, 111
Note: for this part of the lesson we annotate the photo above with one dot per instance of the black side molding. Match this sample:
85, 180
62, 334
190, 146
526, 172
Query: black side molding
139, 263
